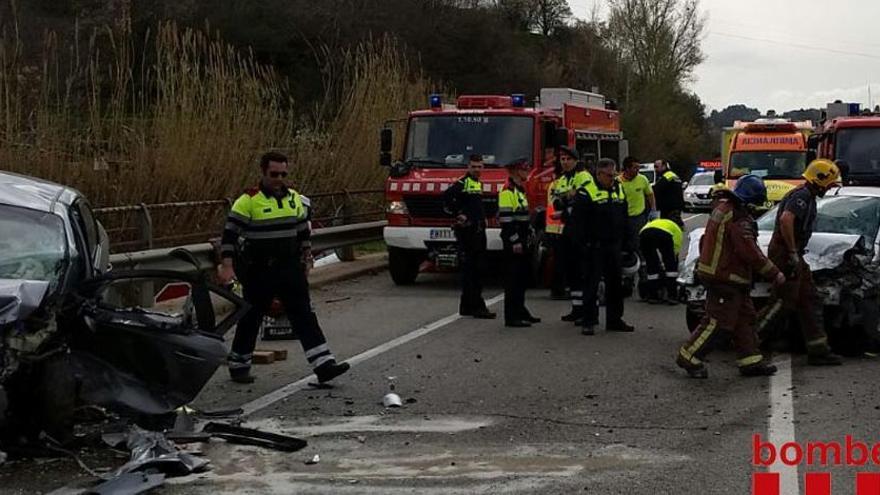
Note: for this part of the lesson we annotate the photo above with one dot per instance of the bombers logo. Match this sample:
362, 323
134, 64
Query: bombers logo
850, 453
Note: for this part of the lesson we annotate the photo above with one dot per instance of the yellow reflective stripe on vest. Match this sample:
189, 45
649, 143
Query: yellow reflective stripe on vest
261, 217
670, 175
719, 244
669, 227
472, 186
512, 206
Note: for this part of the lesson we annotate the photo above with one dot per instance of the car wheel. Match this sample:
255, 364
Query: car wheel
403, 264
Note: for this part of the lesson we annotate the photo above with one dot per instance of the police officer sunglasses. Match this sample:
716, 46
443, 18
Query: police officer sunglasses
276, 175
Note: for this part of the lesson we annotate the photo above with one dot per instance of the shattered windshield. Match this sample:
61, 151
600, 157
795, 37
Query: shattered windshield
858, 215
448, 140
860, 149
33, 244
768, 164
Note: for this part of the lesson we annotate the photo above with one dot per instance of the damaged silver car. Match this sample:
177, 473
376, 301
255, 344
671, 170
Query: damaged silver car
73, 334
844, 256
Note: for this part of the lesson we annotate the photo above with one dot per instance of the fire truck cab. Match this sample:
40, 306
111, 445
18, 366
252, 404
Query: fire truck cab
851, 138
503, 129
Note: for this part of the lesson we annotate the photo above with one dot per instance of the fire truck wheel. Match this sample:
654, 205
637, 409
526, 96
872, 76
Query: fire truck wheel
403, 264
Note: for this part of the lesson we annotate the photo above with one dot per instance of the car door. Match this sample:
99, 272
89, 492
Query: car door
150, 360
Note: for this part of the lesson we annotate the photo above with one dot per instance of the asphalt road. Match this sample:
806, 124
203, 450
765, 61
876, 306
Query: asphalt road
495, 410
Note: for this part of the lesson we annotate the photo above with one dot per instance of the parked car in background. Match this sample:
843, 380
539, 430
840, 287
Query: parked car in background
844, 256
696, 194
647, 169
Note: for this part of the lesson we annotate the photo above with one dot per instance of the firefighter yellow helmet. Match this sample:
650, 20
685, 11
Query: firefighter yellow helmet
822, 173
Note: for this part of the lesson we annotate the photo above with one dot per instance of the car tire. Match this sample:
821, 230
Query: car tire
403, 264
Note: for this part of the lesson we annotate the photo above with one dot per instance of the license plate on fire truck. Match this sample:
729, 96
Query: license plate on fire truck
442, 234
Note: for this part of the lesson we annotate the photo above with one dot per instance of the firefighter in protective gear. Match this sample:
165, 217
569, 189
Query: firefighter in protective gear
563, 192
464, 201
795, 220
660, 242
668, 192
266, 243
517, 238
598, 222
729, 258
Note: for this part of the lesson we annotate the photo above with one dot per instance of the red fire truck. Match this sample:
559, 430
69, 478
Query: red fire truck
851, 138
503, 129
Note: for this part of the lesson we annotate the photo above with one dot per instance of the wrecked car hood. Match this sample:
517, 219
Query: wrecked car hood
825, 251
20, 298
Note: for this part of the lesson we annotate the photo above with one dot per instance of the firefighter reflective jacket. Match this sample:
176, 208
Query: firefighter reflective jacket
263, 224
513, 215
599, 216
668, 193
558, 201
729, 251
465, 197
670, 228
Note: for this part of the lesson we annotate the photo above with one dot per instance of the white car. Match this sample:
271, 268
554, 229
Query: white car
844, 256
696, 194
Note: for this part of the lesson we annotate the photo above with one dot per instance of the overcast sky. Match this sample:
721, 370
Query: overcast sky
785, 54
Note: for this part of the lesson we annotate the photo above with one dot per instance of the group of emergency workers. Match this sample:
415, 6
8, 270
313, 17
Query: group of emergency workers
595, 218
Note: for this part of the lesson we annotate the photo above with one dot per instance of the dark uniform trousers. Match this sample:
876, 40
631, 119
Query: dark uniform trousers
602, 261
516, 279
471, 255
261, 283
729, 309
796, 297
661, 262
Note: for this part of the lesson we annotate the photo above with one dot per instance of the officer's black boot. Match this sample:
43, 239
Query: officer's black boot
330, 370
758, 369
619, 326
241, 375
573, 316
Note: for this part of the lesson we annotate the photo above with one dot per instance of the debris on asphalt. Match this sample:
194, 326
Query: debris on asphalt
361, 439
151, 450
314, 460
128, 484
418, 356
250, 436
391, 400
338, 299
411, 400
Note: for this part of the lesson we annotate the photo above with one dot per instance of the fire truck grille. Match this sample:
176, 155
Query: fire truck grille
432, 206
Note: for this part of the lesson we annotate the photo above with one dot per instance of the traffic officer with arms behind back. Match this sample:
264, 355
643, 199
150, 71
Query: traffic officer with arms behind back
668, 192
599, 223
266, 243
464, 201
517, 237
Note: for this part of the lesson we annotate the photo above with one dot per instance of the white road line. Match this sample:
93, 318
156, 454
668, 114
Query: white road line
685, 219
780, 427
292, 388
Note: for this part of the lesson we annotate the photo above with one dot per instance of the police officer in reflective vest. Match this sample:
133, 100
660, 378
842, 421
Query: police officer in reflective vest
464, 201
599, 222
517, 237
668, 192
729, 260
266, 243
563, 192
660, 243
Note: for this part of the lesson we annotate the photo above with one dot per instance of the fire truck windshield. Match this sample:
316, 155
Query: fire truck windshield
448, 140
860, 149
768, 164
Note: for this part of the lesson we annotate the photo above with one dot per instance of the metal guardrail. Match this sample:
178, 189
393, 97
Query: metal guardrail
140, 232
322, 239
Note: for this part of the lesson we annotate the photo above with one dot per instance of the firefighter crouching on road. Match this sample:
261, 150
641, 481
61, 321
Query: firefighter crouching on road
660, 243
729, 256
598, 223
517, 237
668, 193
563, 192
464, 201
794, 227
266, 243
